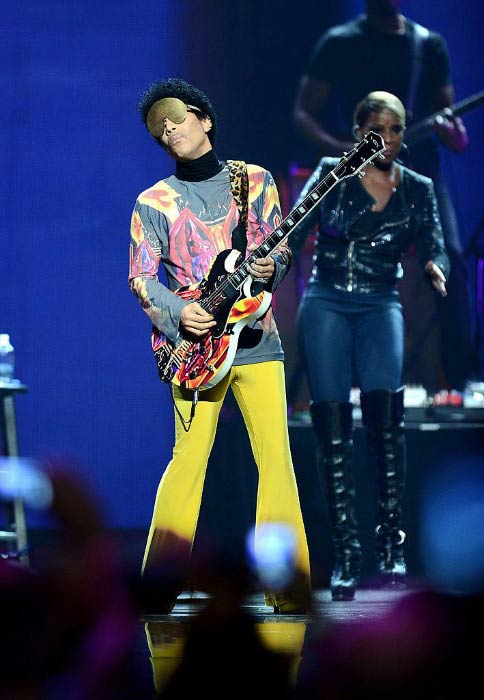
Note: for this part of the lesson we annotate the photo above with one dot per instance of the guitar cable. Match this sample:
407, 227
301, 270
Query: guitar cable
186, 424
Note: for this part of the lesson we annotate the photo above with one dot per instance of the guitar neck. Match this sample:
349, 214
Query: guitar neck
284, 230
352, 163
423, 129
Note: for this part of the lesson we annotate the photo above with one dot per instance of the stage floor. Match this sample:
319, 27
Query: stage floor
368, 603
413, 643
165, 636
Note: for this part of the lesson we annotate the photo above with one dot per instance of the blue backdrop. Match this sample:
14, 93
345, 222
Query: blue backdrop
75, 156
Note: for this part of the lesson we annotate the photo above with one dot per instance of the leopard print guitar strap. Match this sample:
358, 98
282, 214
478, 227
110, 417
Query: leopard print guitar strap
239, 185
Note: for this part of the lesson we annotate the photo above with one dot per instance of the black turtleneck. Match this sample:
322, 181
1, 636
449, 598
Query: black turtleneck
199, 169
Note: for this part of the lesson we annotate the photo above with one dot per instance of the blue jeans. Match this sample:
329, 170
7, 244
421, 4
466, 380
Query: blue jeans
350, 339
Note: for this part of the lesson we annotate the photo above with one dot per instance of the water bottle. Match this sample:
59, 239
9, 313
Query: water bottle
6, 358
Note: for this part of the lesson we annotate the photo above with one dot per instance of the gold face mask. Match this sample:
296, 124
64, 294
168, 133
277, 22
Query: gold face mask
168, 108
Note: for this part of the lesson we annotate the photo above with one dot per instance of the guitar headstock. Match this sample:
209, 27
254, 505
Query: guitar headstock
371, 146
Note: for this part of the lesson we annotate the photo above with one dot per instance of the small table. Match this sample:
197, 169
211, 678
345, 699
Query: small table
15, 534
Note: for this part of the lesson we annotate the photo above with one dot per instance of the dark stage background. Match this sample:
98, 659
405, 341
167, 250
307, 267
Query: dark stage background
75, 156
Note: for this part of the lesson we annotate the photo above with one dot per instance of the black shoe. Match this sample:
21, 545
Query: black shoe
343, 590
383, 416
391, 565
155, 606
393, 582
290, 609
343, 583
394, 576
333, 427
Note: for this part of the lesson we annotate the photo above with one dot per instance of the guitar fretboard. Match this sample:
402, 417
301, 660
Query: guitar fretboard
352, 163
283, 231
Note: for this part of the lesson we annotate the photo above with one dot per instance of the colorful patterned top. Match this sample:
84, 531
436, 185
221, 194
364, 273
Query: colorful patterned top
184, 225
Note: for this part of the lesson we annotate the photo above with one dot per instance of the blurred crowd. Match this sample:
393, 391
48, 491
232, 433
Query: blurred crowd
72, 617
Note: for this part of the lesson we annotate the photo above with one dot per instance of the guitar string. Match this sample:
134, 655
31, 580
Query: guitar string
176, 355
304, 205
254, 255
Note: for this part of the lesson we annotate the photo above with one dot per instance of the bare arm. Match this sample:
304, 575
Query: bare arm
311, 97
450, 130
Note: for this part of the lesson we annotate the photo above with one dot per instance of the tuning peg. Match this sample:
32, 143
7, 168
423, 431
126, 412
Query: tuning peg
361, 174
345, 153
380, 155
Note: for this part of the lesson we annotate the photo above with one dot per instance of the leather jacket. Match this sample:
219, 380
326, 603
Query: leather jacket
370, 263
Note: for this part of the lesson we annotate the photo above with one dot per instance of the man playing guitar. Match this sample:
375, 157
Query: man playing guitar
184, 222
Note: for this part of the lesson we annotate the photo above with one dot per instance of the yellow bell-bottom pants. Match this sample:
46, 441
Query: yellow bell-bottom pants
260, 393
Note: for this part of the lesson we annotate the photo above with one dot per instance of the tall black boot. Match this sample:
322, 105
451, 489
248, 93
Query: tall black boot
383, 417
333, 426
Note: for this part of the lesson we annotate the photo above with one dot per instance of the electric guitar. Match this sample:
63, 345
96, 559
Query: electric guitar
422, 129
233, 297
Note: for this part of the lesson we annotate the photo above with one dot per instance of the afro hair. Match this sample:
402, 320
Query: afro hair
175, 87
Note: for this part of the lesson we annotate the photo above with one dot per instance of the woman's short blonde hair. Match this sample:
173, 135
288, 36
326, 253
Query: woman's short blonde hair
378, 101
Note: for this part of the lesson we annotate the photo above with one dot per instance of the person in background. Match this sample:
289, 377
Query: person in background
383, 49
351, 329
182, 223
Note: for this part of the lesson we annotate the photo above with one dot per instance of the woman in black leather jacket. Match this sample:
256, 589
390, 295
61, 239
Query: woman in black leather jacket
350, 324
